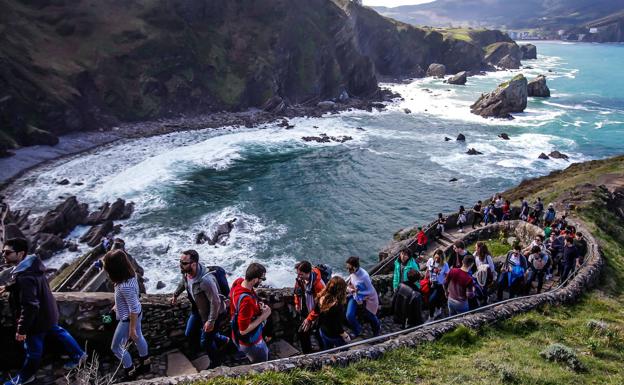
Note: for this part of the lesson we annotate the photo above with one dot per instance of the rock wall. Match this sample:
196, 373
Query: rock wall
587, 277
163, 324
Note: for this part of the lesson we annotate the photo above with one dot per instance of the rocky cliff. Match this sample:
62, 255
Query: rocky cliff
71, 65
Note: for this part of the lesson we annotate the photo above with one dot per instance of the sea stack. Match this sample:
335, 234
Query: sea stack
508, 97
538, 88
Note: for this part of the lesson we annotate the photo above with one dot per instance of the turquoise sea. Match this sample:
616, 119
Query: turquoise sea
325, 202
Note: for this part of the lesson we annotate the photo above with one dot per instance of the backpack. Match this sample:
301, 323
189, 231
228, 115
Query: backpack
221, 278
550, 216
326, 272
249, 337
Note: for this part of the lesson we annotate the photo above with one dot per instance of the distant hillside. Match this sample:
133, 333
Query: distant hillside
547, 15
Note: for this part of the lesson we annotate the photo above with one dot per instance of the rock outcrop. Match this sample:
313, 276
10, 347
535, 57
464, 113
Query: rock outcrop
508, 97
558, 155
503, 55
458, 79
537, 87
436, 70
472, 151
528, 51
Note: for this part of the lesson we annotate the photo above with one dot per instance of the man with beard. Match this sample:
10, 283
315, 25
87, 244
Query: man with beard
208, 310
249, 314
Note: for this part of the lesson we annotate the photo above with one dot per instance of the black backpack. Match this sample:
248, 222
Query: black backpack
221, 278
326, 272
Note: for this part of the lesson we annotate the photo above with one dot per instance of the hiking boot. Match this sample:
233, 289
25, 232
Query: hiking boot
145, 365
70, 365
18, 380
131, 373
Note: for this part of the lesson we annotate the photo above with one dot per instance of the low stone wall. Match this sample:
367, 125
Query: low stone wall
587, 277
163, 324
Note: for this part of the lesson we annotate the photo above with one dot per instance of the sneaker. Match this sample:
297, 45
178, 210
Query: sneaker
18, 380
461, 230
548, 277
70, 365
437, 313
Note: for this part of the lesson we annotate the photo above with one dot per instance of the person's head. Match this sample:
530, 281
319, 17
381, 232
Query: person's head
334, 293
553, 236
579, 235
479, 202
413, 276
118, 244
304, 269
440, 215
468, 262
419, 228
535, 250
507, 202
189, 260
521, 199
459, 246
482, 250
117, 266
461, 209
404, 256
517, 248
539, 239
255, 274
569, 240
438, 256
15, 250
353, 263
539, 199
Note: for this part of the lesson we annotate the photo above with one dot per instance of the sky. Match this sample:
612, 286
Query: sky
394, 3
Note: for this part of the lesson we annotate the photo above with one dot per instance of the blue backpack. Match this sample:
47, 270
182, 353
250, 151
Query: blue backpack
221, 277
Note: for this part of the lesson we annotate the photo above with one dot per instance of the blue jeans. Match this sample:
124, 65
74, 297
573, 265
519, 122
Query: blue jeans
457, 307
207, 341
120, 338
330, 342
256, 353
352, 307
34, 349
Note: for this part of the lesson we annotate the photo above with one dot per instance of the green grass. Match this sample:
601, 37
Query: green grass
509, 351
496, 247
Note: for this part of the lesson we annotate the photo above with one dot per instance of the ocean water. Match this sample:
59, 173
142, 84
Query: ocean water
324, 202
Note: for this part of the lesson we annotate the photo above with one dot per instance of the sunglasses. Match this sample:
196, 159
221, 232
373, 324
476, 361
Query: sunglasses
263, 278
7, 252
184, 263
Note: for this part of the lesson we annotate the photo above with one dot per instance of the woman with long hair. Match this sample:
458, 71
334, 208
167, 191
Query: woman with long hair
437, 269
331, 308
128, 309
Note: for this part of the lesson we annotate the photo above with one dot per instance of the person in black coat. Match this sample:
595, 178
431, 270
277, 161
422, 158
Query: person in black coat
35, 310
407, 302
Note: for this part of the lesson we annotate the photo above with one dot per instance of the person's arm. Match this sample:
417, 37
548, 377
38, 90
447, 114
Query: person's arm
319, 285
265, 313
29, 306
470, 291
179, 289
209, 288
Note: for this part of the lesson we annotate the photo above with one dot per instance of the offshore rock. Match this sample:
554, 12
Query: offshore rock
558, 155
472, 151
458, 79
529, 51
543, 156
508, 97
503, 55
503, 136
538, 88
436, 70
461, 138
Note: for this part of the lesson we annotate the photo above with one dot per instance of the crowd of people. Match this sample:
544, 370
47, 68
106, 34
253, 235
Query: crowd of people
329, 309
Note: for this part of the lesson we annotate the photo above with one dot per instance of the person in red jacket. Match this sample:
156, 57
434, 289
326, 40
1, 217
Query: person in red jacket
249, 314
308, 285
421, 241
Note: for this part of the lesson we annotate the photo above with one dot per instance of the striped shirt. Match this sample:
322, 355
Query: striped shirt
127, 299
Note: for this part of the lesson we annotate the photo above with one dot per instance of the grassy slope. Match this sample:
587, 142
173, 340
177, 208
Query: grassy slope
508, 352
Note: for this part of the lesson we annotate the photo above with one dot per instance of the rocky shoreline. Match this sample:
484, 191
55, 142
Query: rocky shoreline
28, 158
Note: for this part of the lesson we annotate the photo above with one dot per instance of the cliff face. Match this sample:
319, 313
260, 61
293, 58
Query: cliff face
70, 65
81, 64
400, 49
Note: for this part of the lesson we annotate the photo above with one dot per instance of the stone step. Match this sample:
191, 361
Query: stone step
178, 364
282, 349
201, 363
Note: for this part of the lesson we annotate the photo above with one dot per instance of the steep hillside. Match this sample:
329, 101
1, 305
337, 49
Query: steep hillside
71, 65
546, 15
